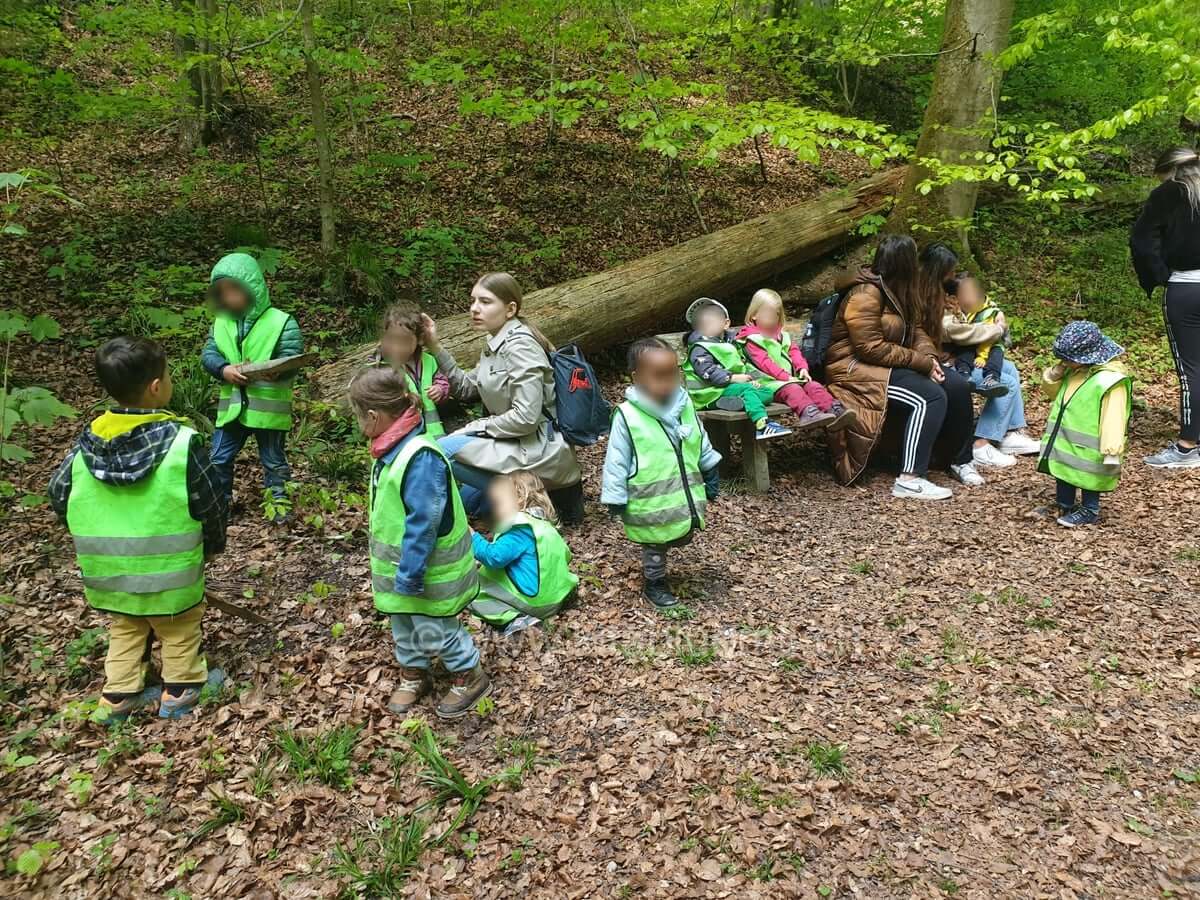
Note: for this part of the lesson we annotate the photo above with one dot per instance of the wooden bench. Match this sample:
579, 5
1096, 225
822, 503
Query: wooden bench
723, 424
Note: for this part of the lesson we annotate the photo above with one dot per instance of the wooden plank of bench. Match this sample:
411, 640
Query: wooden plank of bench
737, 415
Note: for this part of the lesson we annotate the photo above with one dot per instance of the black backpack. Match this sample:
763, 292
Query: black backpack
583, 415
815, 342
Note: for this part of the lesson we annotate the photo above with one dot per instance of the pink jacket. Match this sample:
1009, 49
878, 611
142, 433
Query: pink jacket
761, 361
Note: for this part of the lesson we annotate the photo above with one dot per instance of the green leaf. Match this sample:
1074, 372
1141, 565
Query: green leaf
15, 228
11, 324
43, 328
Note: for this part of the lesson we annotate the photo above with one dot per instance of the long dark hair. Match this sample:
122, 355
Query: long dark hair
895, 263
938, 264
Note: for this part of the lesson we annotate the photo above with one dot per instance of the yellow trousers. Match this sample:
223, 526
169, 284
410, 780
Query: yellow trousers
127, 641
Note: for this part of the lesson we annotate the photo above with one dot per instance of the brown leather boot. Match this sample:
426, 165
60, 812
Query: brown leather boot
412, 686
466, 688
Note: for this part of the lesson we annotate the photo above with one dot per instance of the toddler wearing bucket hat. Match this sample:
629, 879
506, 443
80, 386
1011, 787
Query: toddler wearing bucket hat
1085, 430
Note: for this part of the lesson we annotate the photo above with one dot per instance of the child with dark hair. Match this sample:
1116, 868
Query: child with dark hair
248, 329
660, 469
959, 328
402, 346
139, 496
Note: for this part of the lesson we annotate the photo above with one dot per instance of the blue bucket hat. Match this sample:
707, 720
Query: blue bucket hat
1084, 343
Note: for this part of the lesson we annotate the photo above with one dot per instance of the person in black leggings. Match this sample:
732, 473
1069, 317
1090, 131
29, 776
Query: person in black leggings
935, 414
1165, 244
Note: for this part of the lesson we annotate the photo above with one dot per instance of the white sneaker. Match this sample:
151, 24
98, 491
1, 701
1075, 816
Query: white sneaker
920, 489
967, 474
988, 455
1018, 443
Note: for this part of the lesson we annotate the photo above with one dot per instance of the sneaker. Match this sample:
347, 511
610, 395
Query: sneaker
412, 686
812, 417
842, 417
466, 689
1174, 457
178, 707
1018, 443
109, 713
770, 430
521, 623
659, 593
920, 489
991, 386
988, 455
1080, 515
968, 474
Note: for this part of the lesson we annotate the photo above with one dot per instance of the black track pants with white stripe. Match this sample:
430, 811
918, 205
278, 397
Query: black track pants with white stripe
933, 414
1181, 310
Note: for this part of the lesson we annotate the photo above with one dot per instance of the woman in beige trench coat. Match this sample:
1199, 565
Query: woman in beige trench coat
516, 386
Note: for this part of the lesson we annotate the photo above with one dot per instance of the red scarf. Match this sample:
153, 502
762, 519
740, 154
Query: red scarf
396, 432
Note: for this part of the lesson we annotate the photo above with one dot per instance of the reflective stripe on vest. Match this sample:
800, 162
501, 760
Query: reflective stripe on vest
1075, 455
728, 357
259, 404
429, 410
778, 351
500, 600
666, 493
451, 581
140, 552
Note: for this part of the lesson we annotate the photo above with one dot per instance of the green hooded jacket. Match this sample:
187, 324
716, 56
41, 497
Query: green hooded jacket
244, 269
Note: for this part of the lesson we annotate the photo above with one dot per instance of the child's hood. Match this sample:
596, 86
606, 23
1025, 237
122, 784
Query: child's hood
123, 448
244, 269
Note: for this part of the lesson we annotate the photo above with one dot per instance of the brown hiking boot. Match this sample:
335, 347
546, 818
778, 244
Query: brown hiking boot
413, 685
466, 688
842, 417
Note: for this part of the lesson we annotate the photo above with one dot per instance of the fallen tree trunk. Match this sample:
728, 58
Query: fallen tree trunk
621, 303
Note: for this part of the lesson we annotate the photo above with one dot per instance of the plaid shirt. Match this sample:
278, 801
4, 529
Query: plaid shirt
134, 455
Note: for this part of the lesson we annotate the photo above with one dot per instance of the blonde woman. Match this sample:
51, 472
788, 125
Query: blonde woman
514, 382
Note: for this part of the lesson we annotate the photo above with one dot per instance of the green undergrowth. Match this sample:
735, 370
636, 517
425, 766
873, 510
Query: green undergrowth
1045, 268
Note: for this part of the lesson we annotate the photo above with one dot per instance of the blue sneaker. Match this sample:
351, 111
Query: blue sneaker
1080, 515
770, 430
178, 707
1174, 457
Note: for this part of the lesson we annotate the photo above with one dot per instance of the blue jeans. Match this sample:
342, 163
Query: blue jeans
1065, 495
472, 482
1000, 415
227, 442
419, 639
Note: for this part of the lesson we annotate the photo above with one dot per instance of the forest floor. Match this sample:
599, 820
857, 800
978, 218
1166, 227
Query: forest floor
868, 699
863, 698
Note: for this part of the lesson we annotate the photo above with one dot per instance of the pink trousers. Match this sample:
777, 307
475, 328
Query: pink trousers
798, 396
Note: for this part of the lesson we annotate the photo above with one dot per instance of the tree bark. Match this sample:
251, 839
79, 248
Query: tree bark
203, 83
631, 299
966, 87
316, 95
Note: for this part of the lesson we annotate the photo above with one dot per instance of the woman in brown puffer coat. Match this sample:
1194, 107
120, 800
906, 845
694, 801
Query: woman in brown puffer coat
882, 360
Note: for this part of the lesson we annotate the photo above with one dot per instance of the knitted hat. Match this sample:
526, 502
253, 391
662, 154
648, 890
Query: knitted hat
1083, 342
702, 303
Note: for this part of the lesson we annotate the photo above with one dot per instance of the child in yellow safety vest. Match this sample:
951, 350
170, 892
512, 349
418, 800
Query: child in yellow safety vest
402, 346
660, 469
524, 571
248, 329
138, 494
422, 569
1085, 430
716, 373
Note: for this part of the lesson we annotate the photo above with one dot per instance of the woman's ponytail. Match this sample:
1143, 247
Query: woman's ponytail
1182, 165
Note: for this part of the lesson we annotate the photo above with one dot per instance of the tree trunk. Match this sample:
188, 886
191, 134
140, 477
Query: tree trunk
316, 95
966, 87
630, 300
203, 84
